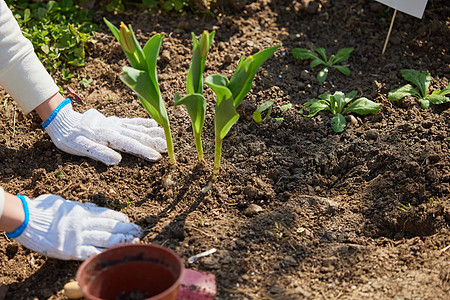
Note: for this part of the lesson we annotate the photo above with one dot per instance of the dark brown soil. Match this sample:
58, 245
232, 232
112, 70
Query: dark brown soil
361, 214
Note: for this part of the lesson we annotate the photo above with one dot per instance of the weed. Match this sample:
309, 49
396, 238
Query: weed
59, 31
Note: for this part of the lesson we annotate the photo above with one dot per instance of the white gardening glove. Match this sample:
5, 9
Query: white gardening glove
64, 229
93, 135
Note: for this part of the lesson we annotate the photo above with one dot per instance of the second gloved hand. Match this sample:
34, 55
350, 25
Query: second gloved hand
64, 229
93, 135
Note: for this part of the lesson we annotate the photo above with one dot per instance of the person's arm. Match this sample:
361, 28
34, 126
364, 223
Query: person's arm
89, 134
11, 211
22, 75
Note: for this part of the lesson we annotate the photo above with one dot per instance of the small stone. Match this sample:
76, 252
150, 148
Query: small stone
353, 120
250, 191
305, 75
290, 261
165, 55
72, 290
372, 135
252, 210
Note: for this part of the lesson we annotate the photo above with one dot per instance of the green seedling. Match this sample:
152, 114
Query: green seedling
421, 80
194, 100
403, 207
339, 104
142, 78
230, 93
283, 108
321, 59
257, 117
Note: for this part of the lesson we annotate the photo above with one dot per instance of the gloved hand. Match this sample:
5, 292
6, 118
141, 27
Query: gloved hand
66, 230
93, 135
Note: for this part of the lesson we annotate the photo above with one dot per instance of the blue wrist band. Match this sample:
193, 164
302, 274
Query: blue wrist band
55, 112
20, 230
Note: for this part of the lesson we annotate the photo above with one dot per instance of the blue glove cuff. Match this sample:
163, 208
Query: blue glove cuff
55, 112
21, 229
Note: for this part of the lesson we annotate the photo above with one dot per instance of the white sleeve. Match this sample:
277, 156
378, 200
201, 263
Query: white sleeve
22, 75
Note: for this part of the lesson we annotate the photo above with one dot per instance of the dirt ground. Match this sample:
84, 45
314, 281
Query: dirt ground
298, 211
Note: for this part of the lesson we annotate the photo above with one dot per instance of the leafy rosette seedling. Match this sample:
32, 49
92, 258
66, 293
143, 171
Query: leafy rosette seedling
194, 100
141, 77
230, 93
339, 105
320, 58
421, 80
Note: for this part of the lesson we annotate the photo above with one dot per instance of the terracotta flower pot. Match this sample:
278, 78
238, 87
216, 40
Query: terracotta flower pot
134, 271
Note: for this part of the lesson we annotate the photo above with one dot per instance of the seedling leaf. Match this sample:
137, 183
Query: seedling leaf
242, 80
286, 106
363, 106
315, 106
322, 53
322, 75
420, 79
303, 54
257, 117
342, 54
343, 69
338, 123
196, 107
437, 99
140, 82
402, 92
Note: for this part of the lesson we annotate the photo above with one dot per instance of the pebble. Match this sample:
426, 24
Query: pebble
305, 75
72, 290
252, 210
371, 135
165, 55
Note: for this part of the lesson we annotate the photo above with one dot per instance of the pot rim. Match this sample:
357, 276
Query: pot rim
93, 258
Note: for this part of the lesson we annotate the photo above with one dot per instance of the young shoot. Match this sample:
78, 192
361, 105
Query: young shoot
320, 58
230, 93
421, 80
142, 78
339, 104
257, 114
194, 100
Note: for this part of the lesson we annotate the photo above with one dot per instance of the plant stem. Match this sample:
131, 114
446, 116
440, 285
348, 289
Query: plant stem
169, 142
217, 156
198, 145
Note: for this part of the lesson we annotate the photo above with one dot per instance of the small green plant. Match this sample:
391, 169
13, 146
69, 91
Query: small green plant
230, 93
404, 207
421, 80
59, 31
333, 62
257, 114
194, 100
336, 104
142, 78
257, 117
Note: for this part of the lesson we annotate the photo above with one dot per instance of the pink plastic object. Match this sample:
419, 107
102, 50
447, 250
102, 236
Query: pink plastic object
197, 286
